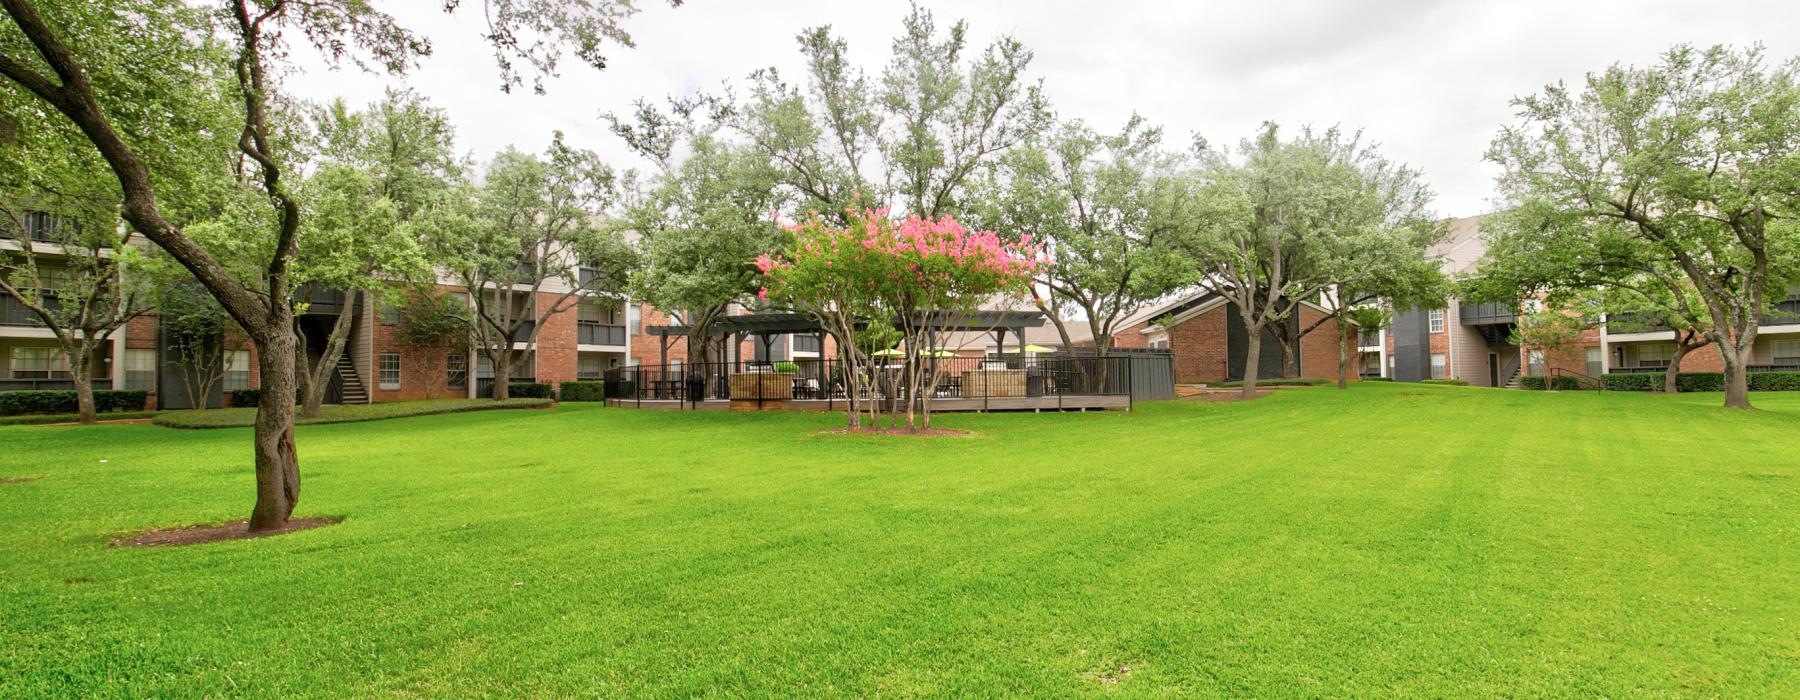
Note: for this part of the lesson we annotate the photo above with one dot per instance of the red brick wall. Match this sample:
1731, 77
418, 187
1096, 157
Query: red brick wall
645, 348
1319, 349
1199, 347
556, 353
423, 373
140, 333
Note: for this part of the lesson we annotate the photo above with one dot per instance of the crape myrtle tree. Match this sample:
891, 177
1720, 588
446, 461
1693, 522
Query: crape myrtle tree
924, 274
528, 244
911, 139
115, 70
435, 326
69, 271
1689, 162
702, 221
1101, 206
1269, 230
1554, 333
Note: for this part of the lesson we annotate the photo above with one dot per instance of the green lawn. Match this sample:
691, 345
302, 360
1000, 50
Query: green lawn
342, 413
1390, 540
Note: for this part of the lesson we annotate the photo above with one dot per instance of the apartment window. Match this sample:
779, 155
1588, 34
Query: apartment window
237, 371
388, 313
39, 363
634, 318
456, 369
1658, 355
1594, 364
1787, 352
390, 370
140, 369
591, 311
1535, 360
1434, 320
1438, 367
590, 366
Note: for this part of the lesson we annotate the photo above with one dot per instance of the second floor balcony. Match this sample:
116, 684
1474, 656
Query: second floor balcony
14, 313
589, 333
1785, 313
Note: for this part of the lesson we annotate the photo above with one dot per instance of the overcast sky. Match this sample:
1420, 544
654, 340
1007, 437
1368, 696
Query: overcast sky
1428, 79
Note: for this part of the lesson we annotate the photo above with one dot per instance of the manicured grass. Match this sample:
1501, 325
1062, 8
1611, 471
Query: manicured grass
244, 417
1393, 540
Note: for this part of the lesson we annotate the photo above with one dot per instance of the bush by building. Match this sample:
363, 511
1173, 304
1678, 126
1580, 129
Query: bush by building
14, 403
582, 391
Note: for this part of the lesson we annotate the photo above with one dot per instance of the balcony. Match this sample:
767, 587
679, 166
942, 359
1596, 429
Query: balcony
320, 300
1368, 339
588, 275
13, 313
588, 333
39, 226
1487, 313
1785, 313
523, 334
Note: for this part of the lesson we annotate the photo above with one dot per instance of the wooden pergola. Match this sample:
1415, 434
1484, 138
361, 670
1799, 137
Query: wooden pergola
766, 326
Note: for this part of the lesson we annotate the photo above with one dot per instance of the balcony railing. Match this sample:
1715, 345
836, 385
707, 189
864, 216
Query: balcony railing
1368, 339
1487, 313
588, 333
1787, 312
49, 384
523, 334
13, 313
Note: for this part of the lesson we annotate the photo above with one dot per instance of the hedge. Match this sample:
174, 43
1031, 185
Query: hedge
1446, 382
528, 390
1701, 381
14, 403
1378, 379
582, 391
1303, 381
245, 398
1537, 383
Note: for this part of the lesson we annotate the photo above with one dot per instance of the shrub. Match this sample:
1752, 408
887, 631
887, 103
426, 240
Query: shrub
1637, 381
1700, 381
246, 398
14, 403
1445, 382
120, 400
1775, 381
1378, 379
582, 391
787, 368
528, 390
1302, 381
1533, 383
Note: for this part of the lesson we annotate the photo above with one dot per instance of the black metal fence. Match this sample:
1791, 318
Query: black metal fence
990, 380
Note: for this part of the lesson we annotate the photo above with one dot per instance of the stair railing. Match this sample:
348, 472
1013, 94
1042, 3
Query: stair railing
1581, 381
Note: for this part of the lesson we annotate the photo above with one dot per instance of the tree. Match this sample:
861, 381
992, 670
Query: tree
71, 276
911, 140
702, 223
199, 334
1275, 230
119, 71
1685, 166
528, 245
1100, 205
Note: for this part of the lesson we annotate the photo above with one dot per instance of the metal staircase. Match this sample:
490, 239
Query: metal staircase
353, 390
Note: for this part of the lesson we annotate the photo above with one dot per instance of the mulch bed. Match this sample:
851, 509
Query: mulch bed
930, 432
219, 532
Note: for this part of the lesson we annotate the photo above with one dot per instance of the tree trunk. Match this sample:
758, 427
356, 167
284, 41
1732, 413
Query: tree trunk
502, 377
1254, 347
277, 464
1290, 368
84, 390
1737, 378
1343, 354
1673, 373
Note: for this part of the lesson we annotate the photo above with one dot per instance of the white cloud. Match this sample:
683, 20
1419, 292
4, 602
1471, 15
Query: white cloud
1429, 79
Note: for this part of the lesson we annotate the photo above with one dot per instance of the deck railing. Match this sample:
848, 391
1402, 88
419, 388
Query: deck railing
985, 379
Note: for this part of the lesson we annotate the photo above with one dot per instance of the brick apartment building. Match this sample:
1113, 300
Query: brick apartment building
1206, 337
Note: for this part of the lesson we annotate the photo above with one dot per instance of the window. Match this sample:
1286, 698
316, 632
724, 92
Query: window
456, 369
39, 363
237, 370
140, 369
390, 370
634, 318
1536, 361
1658, 355
590, 366
1594, 363
1787, 352
389, 314
1434, 320
1437, 365
591, 311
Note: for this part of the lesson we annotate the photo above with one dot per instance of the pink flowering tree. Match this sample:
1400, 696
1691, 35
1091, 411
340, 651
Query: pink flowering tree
926, 275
